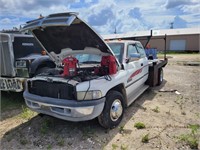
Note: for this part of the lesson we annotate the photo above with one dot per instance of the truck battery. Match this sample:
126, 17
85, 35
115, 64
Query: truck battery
109, 64
70, 66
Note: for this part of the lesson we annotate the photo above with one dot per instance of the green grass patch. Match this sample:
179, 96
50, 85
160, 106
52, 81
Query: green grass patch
121, 129
87, 132
192, 138
27, 114
114, 146
49, 147
156, 109
61, 142
45, 126
124, 147
145, 138
178, 52
11, 100
139, 125
23, 141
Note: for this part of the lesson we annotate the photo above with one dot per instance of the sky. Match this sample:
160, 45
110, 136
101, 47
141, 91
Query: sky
107, 16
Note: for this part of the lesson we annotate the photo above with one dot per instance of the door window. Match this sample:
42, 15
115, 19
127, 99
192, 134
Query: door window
141, 50
131, 50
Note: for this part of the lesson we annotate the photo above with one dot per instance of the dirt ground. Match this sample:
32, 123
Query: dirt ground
166, 115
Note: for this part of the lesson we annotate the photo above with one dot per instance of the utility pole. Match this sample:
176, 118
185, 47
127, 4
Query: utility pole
115, 32
199, 43
171, 25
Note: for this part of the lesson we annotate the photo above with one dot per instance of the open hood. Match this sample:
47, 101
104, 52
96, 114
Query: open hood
65, 31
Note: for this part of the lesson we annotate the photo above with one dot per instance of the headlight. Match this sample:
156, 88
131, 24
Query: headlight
20, 63
89, 95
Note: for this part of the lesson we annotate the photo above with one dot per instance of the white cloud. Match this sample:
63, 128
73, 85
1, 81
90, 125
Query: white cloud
88, 1
32, 8
176, 3
191, 8
187, 6
104, 16
5, 21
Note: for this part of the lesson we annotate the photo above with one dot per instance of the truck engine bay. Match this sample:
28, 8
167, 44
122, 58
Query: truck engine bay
80, 71
60, 82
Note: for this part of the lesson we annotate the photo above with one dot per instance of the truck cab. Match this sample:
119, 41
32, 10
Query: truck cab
133, 59
22, 57
92, 78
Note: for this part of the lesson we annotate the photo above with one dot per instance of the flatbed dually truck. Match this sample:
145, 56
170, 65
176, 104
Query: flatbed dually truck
93, 78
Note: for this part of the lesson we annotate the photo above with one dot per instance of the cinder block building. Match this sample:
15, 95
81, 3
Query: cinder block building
185, 39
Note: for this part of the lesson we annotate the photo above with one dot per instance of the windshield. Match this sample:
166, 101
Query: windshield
88, 58
117, 49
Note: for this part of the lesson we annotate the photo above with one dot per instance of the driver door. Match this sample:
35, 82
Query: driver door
133, 68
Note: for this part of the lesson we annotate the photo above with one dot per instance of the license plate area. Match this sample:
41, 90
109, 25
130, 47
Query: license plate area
11, 84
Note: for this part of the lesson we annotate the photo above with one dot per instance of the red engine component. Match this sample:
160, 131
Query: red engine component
109, 62
70, 66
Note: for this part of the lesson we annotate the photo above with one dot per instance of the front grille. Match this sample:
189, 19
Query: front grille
52, 89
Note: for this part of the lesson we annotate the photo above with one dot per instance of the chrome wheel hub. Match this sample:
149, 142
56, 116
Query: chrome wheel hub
116, 110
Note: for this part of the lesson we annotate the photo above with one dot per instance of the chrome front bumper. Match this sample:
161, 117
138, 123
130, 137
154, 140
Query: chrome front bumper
71, 110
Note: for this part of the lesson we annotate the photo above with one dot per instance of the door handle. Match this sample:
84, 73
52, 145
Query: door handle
141, 64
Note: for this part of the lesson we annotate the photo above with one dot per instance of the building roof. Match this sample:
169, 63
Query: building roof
182, 31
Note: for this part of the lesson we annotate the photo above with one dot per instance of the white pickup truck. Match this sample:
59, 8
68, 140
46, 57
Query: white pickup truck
93, 78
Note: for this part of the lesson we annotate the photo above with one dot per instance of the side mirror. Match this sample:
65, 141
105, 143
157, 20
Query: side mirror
133, 57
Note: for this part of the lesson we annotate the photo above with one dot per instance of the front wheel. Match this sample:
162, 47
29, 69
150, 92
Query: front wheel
113, 111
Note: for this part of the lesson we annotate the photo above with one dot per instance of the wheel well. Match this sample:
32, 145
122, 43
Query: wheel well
120, 88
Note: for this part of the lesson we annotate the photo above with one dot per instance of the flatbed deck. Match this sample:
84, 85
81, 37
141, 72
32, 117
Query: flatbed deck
154, 67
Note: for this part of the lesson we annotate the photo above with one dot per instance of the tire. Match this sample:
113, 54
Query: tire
160, 76
113, 111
